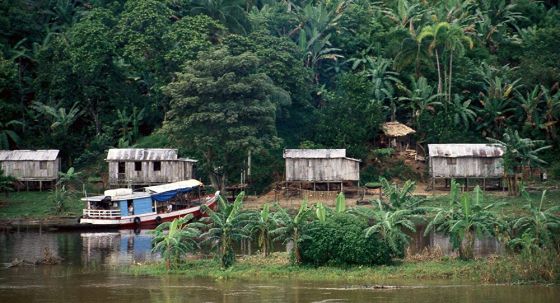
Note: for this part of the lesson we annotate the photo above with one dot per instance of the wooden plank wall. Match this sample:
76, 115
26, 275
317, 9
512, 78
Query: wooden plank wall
467, 167
337, 169
171, 171
30, 170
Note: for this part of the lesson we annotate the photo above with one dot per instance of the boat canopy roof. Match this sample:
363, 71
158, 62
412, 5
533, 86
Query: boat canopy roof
132, 196
165, 192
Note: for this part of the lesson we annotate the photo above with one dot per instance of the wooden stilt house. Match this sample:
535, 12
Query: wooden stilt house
34, 168
466, 162
149, 166
321, 167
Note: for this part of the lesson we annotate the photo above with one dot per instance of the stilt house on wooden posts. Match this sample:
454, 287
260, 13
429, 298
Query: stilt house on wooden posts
151, 166
397, 135
466, 161
321, 166
34, 168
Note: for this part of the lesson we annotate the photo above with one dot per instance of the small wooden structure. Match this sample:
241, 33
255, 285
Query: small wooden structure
32, 167
136, 167
321, 166
466, 161
397, 135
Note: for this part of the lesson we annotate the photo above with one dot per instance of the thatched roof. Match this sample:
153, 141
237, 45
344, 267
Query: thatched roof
29, 155
396, 129
466, 150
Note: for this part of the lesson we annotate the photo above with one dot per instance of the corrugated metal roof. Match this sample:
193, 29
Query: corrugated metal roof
141, 154
466, 150
396, 129
29, 155
315, 153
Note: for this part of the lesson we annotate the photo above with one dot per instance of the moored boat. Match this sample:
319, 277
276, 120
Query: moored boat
125, 208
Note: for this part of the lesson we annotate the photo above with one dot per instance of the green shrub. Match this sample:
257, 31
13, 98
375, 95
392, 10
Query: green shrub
341, 240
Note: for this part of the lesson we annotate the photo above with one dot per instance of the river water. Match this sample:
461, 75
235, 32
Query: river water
90, 272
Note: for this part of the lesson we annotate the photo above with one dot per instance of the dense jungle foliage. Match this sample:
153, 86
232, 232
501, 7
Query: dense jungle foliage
219, 79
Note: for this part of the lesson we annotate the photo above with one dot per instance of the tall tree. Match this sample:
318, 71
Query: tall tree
221, 108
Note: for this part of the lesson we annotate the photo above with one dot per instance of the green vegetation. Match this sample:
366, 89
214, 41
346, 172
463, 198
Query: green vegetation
224, 80
176, 238
542, 269
36, 205
464, 219
225, 226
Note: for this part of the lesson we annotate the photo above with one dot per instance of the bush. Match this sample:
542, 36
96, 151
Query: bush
341, 240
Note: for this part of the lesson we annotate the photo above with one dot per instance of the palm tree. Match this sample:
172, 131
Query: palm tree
463, 219
227, 225
454, 39
289, 229
7, 135
175, 239
262, 223
445, 37
436, 34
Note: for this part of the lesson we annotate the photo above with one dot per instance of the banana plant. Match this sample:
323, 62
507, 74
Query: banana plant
321, 212
463, 219
389, 225
261, 224
175, 239
226, 225
340, 203
289, 229
536, 229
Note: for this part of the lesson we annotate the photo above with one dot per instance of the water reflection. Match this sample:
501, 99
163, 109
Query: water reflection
87, 274
118, 248
86, 248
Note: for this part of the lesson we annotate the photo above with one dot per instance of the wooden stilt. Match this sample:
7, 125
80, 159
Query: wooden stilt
40, 185
484, 183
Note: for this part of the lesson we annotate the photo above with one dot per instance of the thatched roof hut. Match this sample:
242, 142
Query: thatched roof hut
397, 135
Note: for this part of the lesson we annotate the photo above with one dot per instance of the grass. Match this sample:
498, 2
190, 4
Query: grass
487, 270
34, 205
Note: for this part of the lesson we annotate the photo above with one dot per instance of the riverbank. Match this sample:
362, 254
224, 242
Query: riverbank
517, 269
36, 206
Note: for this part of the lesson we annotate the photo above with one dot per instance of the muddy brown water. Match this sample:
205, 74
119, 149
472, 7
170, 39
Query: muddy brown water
90, 272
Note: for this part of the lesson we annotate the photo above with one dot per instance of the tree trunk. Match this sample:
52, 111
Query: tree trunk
450, 74
440, 89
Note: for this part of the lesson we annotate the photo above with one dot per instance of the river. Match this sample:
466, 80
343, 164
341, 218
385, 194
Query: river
90, 272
